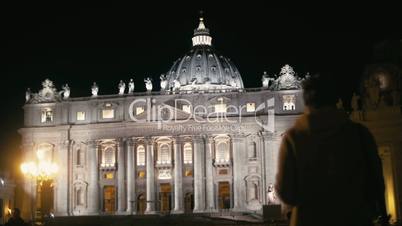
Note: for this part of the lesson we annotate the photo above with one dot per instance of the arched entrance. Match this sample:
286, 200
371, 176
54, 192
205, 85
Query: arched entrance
188, 202
141, 204
45, 199
109, 199
224, 195
165, 197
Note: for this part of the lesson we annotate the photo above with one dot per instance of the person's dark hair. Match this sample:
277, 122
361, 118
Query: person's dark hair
16, 212
319, 91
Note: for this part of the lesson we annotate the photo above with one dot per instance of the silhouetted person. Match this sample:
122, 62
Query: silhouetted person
15, 219
329, 169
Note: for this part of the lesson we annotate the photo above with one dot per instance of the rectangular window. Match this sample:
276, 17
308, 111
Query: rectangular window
186, 108
289, 102
47, 115
141, 156
250, 107
80, 115
139, 110
220, 108
187, 153
107, 113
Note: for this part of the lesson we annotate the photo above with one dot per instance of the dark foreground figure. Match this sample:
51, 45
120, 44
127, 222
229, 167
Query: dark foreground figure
329, 168
16, 219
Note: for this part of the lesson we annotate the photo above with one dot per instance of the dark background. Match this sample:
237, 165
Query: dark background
82, 44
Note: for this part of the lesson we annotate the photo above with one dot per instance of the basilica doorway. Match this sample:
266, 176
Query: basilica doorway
224, 195
188, 202
45, 198
141, 204
109, 199
165, 197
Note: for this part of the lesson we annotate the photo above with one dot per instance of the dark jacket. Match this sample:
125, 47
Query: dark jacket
329, 170
15, 221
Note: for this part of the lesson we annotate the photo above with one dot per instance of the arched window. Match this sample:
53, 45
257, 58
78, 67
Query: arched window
187, 153
109, 157
164, 154
141, 155
80, 197
222, 152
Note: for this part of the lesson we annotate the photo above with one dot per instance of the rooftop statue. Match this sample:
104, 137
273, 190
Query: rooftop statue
177, 84
233, 83
266, 80
94, 89
122, 87
287, 79
307, 76
28, 95
48, 93
131, 86
339, 104
65, 91
163, 82
148, 84
372, 93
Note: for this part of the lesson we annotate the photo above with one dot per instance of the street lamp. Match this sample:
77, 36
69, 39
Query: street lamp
40, 170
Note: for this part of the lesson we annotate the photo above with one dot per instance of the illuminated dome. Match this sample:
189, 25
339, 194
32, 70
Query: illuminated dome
202, 68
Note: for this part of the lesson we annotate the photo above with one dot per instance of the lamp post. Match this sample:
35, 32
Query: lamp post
38, 171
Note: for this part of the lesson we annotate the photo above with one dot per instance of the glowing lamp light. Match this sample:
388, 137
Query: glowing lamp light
42, 170
8, 211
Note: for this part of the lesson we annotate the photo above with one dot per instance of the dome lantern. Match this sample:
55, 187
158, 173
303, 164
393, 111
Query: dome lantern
201, 35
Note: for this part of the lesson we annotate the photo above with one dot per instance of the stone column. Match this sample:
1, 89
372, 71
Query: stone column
62, 195
150, 178
29, 185
178, 176
239, 151
93, 178
130, 170
271, 149
261, 159
121, 184
199, 183
209, 174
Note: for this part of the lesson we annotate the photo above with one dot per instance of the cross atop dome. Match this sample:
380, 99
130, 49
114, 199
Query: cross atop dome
201, 34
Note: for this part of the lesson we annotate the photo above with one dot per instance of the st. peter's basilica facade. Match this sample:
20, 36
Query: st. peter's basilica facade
202, 143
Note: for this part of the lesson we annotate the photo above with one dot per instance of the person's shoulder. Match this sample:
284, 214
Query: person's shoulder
362, 129
298, 128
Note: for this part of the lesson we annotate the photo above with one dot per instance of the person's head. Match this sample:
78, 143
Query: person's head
319, 91
16, 212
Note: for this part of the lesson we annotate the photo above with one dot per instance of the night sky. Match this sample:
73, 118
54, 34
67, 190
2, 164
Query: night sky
82, 44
